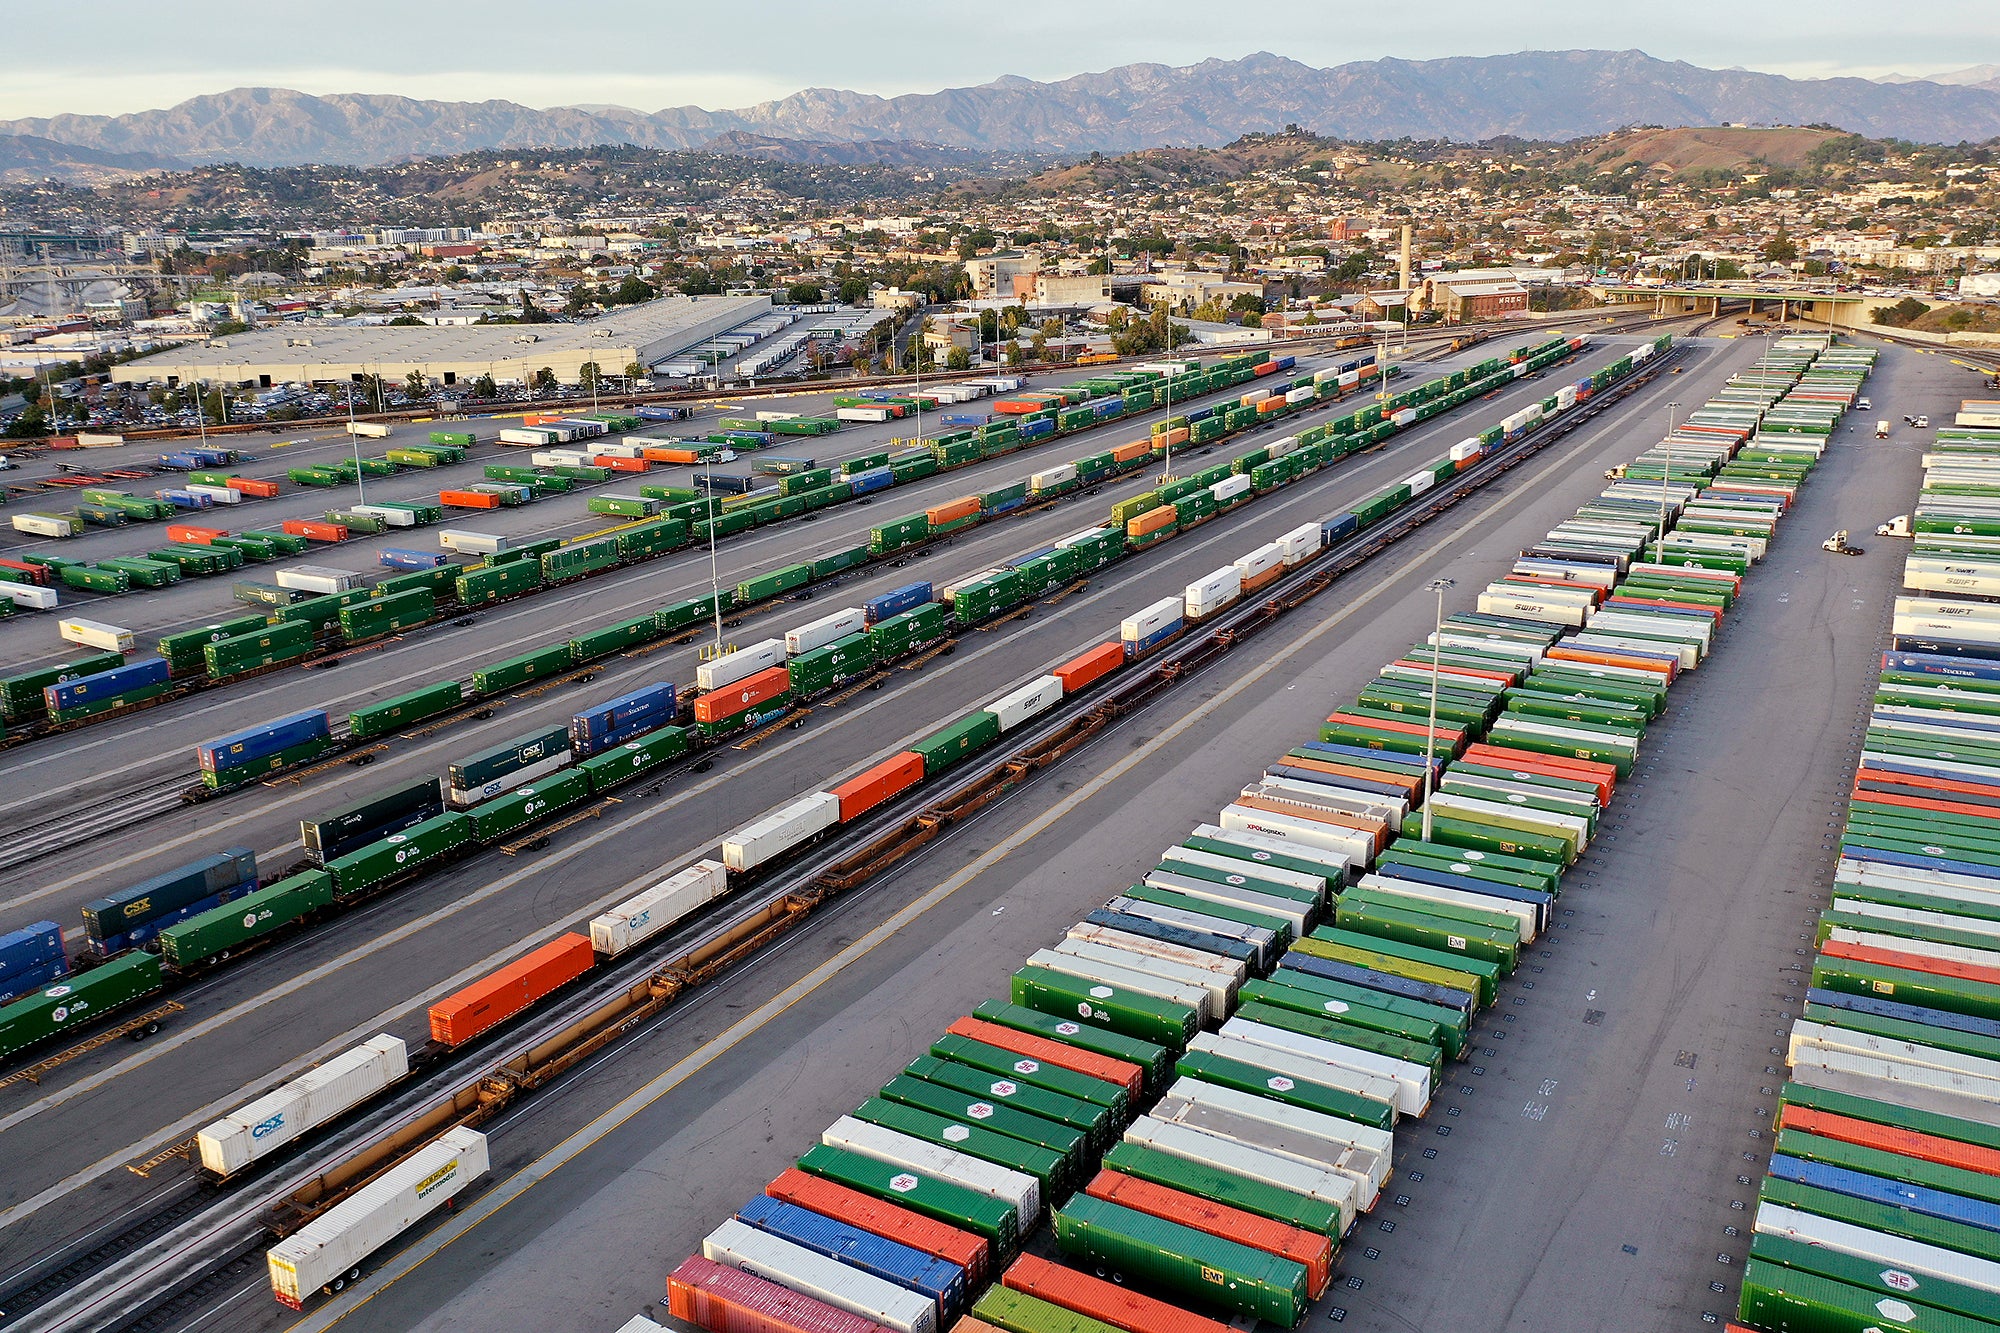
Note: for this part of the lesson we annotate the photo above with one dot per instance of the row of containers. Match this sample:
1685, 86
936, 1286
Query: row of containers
312, 608
1880, 1204
250, 914
213, 911
1230, 1043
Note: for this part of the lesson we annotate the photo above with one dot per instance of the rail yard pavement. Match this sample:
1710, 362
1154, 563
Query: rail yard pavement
1604, 1139
774, 1054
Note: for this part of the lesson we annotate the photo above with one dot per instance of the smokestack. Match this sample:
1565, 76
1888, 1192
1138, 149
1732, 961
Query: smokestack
1403, 271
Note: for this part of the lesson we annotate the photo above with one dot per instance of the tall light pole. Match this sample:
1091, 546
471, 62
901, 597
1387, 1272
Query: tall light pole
1666, 475
360, 486
1440, 587
714, 579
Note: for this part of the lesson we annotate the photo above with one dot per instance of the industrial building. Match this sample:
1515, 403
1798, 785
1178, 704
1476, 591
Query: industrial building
650, 334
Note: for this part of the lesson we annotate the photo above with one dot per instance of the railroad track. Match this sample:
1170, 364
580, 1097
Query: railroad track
93, 818
161, 1272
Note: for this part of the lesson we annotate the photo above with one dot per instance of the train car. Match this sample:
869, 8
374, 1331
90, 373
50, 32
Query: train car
134, 915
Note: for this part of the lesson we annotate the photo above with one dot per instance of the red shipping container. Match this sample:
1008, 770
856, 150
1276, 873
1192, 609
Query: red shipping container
622, 464
1912, 962
952, 510
1421, 664
193, 535
1964, 786
1890, 1138
1554, 765
1118, 1306
878, 1217
1074, 1058
865, 791
745, 694
656, 454
1412, 787
1444, 733
468, 499
263, 490
724, 1300
1930, 803
314, 529
1714, 614
1307, 1248
498, 997
30, 573
1084, 668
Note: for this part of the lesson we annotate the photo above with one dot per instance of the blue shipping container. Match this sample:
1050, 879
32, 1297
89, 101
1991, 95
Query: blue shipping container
134, 915
1140, 647
396, 558
619, 720
892, 1261
875, 479
1340, 525
213, 457
1287, 362
895, 602
1908, 1013
180, 462
29, 957
1930, 664
1918, 1199
967, 418
185, 499
1034, 430
1386, 982
660, 413
266, 738
105, 684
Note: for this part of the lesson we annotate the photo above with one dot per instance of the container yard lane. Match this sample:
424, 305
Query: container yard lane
378, 967
1576, 1171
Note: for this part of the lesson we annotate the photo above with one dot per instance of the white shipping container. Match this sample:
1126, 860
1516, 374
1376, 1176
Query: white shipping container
1235, 971
862, 414
1152, 620
1017, 1189
1212, 592
1280, 1065
1244, 1159
1246, 866
1528, 914
559, 458
741, 664
1053, 477
1907, 1261
1947, 609
1349, 378
780, 831
1279, 448
1302, 541
777, 416
1419, 482
221, 495
1565, 397
615, 449
467, 542
1017, 706
96, 634
486, 791
1263, 560
29, 597
1231, 895
1892, 1080
391, 517
1221, 992
326, 1249
1524, 608
1807, 1036
640, 918
1465, 449
1301, 395
1230, 487
1444, 802
1363, 1148
1330, 794
1413, 1080
1253, 397
317, 578
1403, 416
1355, 846
308, 1101
371, 430
740, 1246
529, 435
1130, 979
819, 633
45, 525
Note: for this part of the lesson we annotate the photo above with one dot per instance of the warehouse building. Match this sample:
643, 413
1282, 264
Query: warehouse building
650, 334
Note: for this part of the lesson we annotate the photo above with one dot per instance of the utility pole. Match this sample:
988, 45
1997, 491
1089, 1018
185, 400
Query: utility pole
1666, 475
1440, 587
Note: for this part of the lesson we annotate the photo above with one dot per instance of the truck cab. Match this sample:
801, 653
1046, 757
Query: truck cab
1882, 429
1899, 526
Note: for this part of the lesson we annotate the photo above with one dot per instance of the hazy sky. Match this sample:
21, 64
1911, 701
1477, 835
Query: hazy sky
116, 56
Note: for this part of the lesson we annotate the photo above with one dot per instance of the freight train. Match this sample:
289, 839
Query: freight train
301, 624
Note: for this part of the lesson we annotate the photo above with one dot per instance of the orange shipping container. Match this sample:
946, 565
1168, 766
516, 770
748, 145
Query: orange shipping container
314, 530
878, 1217
653, 453
865, 791
1604, 776
1084, 668
1444, 733
1890, 1138
1411, 787
1423, 664
622, 464
748, 692
1151, 521
1270, 405
952, 510
1127, 1075
1606, 657
1108, 1302
1126, 453
197, 536
496, 998
1964, 786
1912, 962
1314, 1251
468, 499
1926, 803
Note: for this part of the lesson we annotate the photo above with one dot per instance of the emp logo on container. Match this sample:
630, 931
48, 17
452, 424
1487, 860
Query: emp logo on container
1897, 1280
1068, 1029
1213, 1275
1279, 1083
1026, 1066
903, 1184
1004, 1088
980, 1110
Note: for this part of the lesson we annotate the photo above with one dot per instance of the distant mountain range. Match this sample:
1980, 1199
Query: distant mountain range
30, 157
1530, 95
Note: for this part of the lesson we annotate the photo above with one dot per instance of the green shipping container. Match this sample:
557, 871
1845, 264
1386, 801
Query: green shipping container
1145, 1017
1072, 1144
771, 584
901, 532
405, 709
651, 539
77, 999
1017, 1312
183, 649
387, 615
1873, 1277
495, 582
213, 935
1093, 1120
943, 748
1786, 1299
303, 752
613, 638
1227, 1187
1156, 1060
1050, 1168
902, 634
634, 758
399, 854
516, 671
1246, 1077
282, 642
540, 800
1209, 1269
1006, 1064
941, 1200
852, 558
677, 615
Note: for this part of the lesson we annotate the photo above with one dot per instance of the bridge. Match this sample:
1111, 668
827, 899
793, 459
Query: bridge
1809, 305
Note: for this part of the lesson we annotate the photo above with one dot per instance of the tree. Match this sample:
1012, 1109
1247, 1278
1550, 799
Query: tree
633, 291
1900, 315
454, 273
414, 386
406, 322
484, 387
853, 292
1780, 249
588, 375
805, 293
636, 370
1014, 354
958, 359
32, 424
545, 379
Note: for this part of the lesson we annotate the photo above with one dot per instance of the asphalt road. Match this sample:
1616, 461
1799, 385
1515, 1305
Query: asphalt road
696, 1113
378, 968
